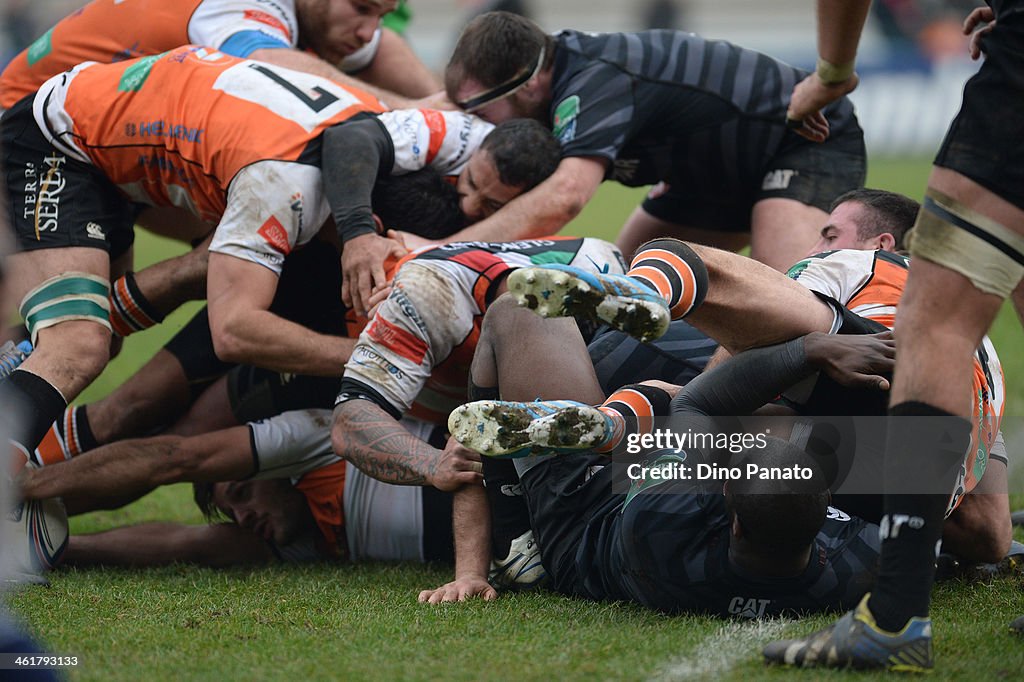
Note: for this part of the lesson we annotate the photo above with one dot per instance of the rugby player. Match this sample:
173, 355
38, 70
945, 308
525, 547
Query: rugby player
672, 109
336, 39
413, 357
269, 180
968, 257
285, 492
676, 546
177, 377
848, 292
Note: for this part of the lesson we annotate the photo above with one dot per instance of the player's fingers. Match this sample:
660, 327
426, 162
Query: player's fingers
361, 293
424, 596
346, 290
469, 477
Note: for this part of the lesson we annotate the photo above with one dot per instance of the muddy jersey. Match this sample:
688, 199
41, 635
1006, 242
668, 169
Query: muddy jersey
235, 142
870, 283
414, 356
108, 31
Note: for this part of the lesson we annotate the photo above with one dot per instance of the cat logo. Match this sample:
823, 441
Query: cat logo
777, 179
748, 608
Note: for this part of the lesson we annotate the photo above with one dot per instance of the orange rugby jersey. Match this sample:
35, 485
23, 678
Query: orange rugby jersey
870, 284
108, 31
190, 120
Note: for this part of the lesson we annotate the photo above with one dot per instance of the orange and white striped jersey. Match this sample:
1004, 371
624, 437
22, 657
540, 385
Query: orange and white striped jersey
108, 31
870, 284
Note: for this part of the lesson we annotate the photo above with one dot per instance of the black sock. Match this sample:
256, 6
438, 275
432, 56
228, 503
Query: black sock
31, 404
923, 456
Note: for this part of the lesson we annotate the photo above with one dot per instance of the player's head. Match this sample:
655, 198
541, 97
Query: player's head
868, 219
423, 202
776, 519
269, 508
499, 68
334, 29
514, 158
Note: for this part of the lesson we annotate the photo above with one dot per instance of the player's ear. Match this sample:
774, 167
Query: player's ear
737, 527
380, 224
886, 241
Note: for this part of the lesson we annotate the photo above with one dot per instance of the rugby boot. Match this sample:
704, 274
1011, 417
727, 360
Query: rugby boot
508, 429
855, 641
619, 301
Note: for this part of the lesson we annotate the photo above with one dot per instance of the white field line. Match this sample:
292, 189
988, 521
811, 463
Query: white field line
732, 643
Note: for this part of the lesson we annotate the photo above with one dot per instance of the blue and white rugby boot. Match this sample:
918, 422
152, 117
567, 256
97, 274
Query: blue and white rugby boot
11, 356
620, 301
508, 429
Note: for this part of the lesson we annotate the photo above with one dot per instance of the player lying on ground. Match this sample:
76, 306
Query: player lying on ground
268, 199
841, 287
284, 492
675, 546
417, 348
913, 645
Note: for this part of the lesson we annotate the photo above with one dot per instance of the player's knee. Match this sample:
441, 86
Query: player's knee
505, 317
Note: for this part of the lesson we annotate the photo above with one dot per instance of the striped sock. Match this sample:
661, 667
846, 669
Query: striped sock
674, 270
130, 312
632, 408
68, 437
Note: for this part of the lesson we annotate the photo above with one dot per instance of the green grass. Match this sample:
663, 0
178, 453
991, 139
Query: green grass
362, 622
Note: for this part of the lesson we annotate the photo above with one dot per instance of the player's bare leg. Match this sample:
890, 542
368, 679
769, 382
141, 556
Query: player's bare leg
641, 227
944, 313
740, 303
782, 231
69, 290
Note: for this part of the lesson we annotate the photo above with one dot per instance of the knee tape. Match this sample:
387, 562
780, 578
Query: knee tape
953, 235
68, 296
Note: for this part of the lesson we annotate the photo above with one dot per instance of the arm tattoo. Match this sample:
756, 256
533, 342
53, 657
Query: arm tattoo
367, 436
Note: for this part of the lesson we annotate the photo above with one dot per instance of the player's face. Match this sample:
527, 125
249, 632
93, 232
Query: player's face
272, 509
481, 191
334, 29
841, 230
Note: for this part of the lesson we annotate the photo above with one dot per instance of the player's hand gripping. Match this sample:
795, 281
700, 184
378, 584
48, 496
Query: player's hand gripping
457, 466
362, 268
857, 361
980, 15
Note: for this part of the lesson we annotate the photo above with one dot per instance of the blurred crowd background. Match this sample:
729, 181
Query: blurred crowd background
913, 59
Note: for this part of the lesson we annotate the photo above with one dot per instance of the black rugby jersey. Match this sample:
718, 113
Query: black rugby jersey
670, 552
672, 106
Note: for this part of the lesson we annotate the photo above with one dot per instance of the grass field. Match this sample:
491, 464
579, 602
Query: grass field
362, 622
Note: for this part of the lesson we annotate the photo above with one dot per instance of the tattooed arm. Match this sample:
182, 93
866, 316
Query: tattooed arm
370, 438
